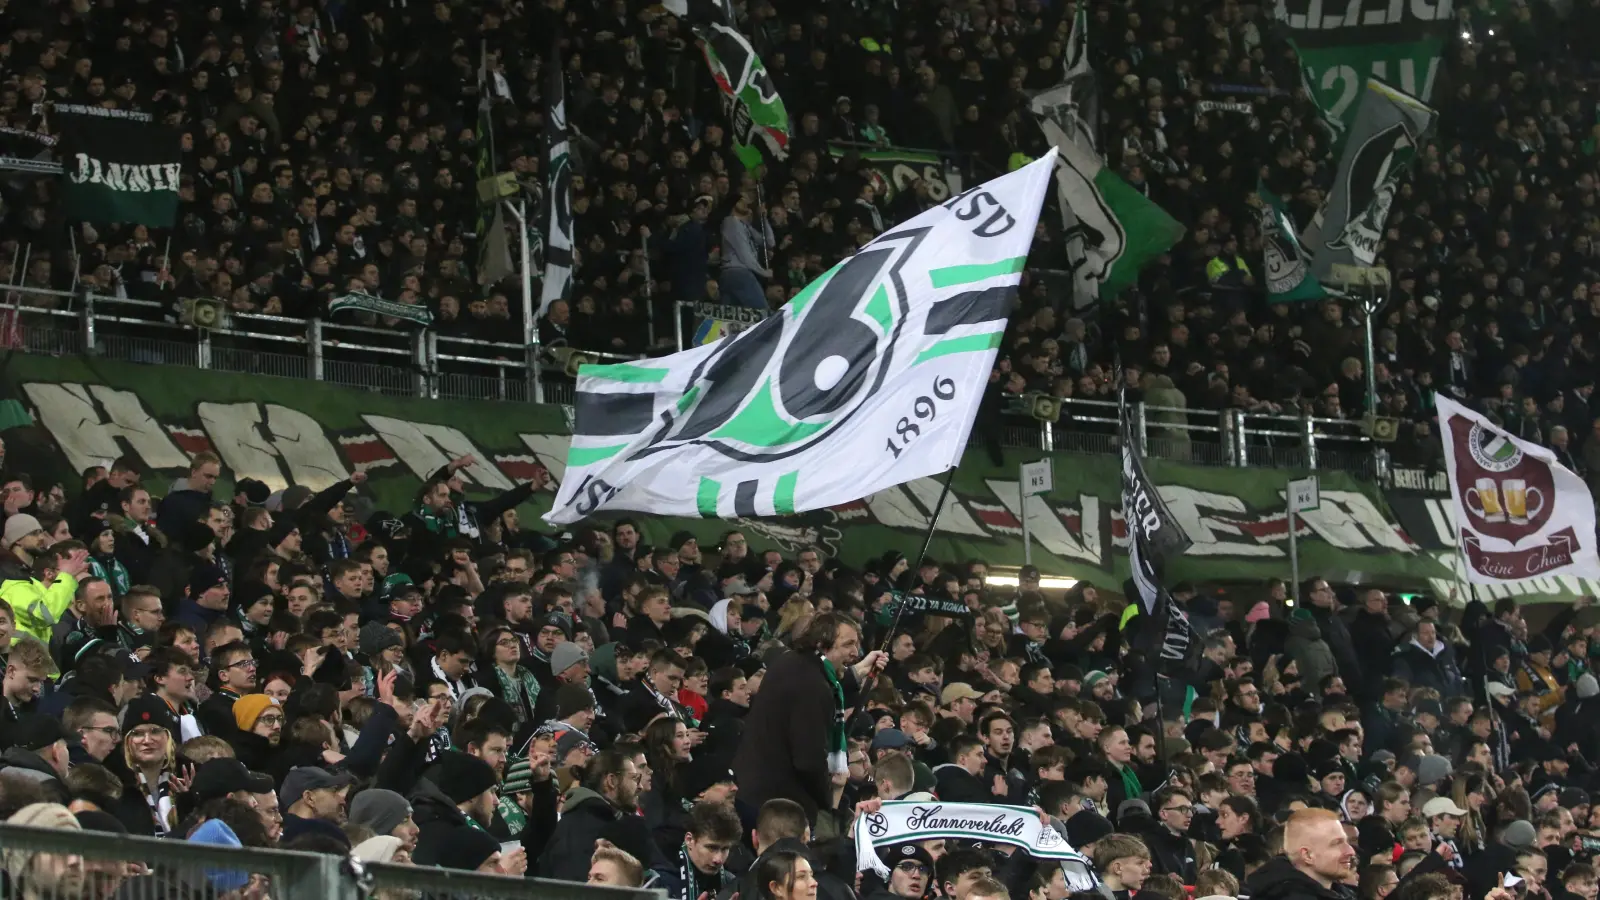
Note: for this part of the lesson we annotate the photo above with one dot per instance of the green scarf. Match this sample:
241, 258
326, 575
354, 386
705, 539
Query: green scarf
1130, 783
838, 759
445, 526
521, 692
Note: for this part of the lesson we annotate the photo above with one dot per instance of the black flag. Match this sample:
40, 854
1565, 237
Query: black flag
1154, 537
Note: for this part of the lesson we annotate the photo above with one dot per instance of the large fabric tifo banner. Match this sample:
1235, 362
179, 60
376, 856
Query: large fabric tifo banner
1521, 513
894, 169
289, 431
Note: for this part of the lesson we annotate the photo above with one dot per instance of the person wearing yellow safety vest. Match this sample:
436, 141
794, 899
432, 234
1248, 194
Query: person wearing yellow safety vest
37, 580
1227, 270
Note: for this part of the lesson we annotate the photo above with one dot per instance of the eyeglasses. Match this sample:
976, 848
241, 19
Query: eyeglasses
110, 731
1180, 810
241, 664
912, 868
269, 720
508, 642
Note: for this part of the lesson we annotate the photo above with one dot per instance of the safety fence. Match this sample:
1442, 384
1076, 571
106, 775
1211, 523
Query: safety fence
60, 864
424, 363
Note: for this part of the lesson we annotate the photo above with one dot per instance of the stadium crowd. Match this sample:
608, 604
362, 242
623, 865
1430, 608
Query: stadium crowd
263, 670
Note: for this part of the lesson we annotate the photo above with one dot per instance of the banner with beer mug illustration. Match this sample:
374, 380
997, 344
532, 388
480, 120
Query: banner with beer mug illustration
1519, 514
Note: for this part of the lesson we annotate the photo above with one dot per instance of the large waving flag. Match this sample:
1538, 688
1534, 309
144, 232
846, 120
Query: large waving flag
1284, 261
868, 378
757, 119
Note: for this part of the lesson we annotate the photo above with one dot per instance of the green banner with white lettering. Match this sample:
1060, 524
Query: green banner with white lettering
119, 169
1342, 43
285, 431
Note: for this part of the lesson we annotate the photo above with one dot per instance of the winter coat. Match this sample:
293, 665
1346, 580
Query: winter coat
585, 818
784, 752
436, 816
1310, 652
1374, 640
1280, 880
1337, 636
956, 785
28, 765
1435, 669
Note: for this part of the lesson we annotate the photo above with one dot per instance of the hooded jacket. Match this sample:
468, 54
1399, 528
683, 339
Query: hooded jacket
1434, 668
586, 817
436, 815
30, 766
1280, 880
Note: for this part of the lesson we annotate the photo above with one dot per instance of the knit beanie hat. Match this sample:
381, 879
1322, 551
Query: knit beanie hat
519, 778
1519, 835
380, 849
247, 709
377, 637
36, 815
379, 809
1587, 686
462, 777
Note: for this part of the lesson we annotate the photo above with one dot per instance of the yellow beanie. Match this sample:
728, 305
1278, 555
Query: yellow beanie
247, 709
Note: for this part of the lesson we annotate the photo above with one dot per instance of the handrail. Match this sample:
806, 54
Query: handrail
438, 365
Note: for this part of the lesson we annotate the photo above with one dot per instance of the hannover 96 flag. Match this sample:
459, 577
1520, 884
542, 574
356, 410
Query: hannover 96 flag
1519, 513
757, 119
868, 378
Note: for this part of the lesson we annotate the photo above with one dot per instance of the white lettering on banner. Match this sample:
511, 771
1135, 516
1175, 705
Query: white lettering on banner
1188, 507
954, 518
1046, 526
124, 177
95, 424
255, 447
551, 450
426, 448
1350, 521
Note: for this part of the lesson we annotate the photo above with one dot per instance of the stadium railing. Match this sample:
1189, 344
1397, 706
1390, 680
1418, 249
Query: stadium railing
419, 362
60, 864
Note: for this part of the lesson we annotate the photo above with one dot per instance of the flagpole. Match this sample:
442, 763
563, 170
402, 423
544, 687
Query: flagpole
927, 541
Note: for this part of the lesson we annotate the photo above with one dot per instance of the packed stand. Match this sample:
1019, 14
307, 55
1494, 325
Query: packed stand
447, 688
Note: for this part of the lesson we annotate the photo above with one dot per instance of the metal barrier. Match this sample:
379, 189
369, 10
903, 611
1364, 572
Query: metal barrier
390, 882
59, 864
411, 362
424, 363
1229, 437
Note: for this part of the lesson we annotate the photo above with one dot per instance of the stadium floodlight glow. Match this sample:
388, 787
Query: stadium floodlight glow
1047, 582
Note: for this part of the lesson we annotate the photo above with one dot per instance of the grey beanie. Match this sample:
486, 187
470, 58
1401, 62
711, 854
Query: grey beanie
1587, 686
1432, 769
1519, 835
378, 809
377, 637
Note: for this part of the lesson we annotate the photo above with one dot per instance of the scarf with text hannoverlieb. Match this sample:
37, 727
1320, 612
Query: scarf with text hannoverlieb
899, 821
119, 170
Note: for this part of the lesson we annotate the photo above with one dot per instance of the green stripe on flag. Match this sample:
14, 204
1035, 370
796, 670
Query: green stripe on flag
588, 456
783, 497
706, 497
970, 343
950, 276
625, 372
687, 399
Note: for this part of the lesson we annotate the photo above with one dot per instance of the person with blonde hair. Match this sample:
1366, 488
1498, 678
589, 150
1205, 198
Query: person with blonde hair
148, 767
1317, 855
1123, 862
615, 868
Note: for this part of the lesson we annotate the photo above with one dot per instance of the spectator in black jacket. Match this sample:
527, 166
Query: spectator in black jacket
601, 808
1321, 602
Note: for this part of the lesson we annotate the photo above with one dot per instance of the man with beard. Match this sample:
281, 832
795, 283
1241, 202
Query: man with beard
713, 832
1243, 708
603, 807
1317, 860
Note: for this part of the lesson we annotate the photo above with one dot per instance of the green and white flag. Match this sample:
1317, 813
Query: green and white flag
559, 243
1112, 231
894, 169
119, 169
1284, 262
868, 378
756, 115
1383, 138
1342, 44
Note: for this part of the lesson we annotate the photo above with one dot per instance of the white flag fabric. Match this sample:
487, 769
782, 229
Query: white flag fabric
868, 378
1519, 513
905, 821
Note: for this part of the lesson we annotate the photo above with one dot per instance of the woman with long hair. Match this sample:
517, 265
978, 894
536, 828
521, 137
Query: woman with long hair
785, 875
500, 656
148, 767
1472, 793
667, 749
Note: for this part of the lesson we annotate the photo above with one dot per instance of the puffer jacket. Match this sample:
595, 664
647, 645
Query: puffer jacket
1310, 652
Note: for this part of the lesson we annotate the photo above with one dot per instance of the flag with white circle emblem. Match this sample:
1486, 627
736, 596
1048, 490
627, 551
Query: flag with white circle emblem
868, 378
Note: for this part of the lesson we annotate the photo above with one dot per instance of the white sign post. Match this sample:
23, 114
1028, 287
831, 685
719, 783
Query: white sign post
1303, 495
1033, 479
